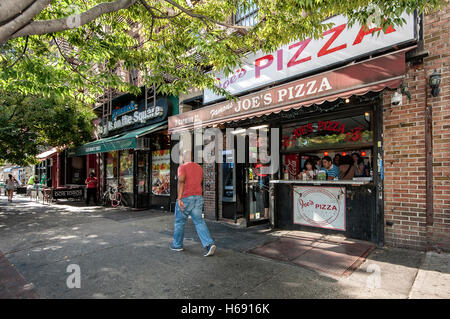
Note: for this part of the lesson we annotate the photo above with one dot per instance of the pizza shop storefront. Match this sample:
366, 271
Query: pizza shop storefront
336, 114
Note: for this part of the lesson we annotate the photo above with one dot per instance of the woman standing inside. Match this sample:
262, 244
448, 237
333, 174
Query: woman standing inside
358, 164
309, 170
10, 183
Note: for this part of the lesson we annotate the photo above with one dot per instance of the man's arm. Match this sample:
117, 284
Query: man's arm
181, 180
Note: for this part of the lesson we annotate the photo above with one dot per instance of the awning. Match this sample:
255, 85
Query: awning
118, 142
46, 154
9, 169
376, 74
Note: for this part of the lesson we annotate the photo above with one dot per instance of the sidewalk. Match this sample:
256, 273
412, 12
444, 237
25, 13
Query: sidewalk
124, 254
12, 284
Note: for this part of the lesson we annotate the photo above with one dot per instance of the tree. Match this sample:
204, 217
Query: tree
73, 47
29, 123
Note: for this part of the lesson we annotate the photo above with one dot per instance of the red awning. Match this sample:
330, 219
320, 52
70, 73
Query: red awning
360, 78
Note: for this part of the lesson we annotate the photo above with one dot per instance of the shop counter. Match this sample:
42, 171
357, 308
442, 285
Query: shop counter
347, 207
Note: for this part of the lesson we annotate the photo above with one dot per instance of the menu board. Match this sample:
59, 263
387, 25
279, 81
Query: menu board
161, 172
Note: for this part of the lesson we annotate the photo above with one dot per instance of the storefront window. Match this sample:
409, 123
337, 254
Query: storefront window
348, 142
324, 134
161, 172
77, 175
111, 168
126, 170
161, 163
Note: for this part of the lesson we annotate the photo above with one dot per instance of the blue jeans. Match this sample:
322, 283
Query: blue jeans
193, 206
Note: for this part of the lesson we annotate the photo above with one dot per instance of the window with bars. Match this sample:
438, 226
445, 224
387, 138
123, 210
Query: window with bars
248, 17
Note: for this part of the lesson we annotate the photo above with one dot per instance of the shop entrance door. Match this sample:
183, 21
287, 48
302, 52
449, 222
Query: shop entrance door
142, 191
257, 195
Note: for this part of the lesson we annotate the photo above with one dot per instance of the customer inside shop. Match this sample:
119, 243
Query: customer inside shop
329, 149
338, 166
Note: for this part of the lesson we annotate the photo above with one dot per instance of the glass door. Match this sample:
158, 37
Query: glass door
257, 180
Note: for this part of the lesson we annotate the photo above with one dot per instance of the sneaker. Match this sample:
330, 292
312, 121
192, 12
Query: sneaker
210, 250
172, 247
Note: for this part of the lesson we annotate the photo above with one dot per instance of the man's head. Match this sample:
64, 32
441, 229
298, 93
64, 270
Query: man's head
327, 163
91, 174
187, 156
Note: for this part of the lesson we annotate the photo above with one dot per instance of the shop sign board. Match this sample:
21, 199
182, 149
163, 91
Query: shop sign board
322, 207
306, 91
339, 44
135, 115
68, 193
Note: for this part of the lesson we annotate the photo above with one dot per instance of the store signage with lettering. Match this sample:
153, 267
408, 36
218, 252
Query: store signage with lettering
339, 44
321, 126
68, 193
137, 117
124, 110
322, 207
301, 92
134, 114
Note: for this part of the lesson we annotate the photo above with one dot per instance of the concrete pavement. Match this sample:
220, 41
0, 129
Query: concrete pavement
124, 254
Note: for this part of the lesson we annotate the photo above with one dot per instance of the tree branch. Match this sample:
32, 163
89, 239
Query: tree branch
56, 25
21, 56
11, 9
202, 17
22, 20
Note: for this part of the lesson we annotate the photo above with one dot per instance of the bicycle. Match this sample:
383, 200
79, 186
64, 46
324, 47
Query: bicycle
113, 197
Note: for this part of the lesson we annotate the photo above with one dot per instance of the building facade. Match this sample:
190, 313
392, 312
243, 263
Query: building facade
370, 97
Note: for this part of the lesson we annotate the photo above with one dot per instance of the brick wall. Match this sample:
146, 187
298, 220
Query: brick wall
209, 190
404, 148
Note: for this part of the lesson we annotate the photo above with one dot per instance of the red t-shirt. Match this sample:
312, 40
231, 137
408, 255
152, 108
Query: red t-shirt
91, 182
193, 182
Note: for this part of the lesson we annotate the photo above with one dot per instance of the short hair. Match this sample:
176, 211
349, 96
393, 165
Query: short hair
327, 158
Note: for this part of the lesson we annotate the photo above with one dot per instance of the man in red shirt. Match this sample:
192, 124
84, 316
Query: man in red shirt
190, 202
91, 188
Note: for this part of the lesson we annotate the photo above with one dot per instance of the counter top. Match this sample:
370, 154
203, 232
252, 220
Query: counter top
316, 182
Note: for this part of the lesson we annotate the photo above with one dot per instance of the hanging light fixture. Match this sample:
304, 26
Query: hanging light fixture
435, 81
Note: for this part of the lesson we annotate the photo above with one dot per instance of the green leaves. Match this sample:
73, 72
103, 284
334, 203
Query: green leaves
30, 122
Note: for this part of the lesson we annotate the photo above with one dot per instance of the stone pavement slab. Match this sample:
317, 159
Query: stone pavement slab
433, 278
12, 284
338, 257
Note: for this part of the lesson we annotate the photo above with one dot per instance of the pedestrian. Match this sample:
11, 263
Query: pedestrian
190, 203
10, 184
91, 188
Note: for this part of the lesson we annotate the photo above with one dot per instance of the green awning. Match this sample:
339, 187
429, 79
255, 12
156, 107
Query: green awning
118, 142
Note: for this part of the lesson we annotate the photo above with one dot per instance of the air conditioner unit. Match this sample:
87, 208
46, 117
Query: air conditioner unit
143, 144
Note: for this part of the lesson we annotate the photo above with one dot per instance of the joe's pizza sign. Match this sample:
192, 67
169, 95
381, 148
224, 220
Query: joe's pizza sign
322, 207
339, 44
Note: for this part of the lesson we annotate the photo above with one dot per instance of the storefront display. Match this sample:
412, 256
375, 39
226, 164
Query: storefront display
161, 172
344, 132
126, 170
111, 168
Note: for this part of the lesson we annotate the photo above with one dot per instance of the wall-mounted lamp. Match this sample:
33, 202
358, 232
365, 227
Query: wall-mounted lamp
435, 81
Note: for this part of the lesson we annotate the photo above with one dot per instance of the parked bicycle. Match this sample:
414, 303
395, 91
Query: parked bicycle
114, 197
